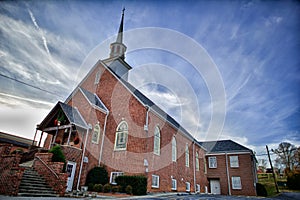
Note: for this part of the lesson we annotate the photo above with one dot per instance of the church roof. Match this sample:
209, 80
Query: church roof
223, 146
93, 99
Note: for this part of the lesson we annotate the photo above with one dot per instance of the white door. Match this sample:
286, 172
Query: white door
215, 187
71, 168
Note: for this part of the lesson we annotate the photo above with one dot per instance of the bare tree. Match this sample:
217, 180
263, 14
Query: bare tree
286, 155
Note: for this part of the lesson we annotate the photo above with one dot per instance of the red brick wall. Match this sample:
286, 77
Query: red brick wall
245, 171
59, 183
10, 172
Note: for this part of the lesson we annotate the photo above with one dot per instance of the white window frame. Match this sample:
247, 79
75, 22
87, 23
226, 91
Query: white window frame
174, 184
155, 181
212, 162
197, 188
197, 162
121, 137
187, 186
205, 165
174, 149
96, 134
234, 161
236, 183
113, 176
187, 155
156, 145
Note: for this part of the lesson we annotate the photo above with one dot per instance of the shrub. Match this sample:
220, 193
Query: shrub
97, 175
138, 184
58, 155
293, 181
115, 189
98, 188
261, 190
106, 188
128, 189
90, 187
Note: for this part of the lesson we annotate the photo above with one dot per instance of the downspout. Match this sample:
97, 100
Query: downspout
227, 172
194, 166
81, 164
102, 142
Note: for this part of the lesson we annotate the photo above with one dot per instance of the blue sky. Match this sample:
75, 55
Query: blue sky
254, 45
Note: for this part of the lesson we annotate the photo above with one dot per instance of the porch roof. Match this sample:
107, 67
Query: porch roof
72, 114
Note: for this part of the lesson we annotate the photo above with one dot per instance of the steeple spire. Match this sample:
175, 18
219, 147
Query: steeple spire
117, 49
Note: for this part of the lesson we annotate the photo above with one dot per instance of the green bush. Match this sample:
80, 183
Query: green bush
97, 175
98, 188
138, 183
106, 188
58, 154
90, 187
115, 189
261, 190
128, 189
293, 181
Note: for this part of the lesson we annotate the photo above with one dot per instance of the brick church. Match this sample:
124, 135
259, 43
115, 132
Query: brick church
107, 121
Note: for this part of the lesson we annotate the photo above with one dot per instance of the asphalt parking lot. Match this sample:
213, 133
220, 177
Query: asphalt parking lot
282, 196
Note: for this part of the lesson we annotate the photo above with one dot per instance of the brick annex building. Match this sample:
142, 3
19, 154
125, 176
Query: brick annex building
106, 121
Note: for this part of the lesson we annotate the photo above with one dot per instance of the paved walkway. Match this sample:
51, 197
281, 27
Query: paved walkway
166, 196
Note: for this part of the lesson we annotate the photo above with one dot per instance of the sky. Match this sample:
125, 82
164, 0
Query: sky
229, 68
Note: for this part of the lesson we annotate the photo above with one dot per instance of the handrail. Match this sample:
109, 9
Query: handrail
48, 167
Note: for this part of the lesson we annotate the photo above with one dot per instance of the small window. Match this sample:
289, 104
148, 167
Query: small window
197, 188
212, 162
236, 182
234, 161
155, 181
197, 161
97, 77
96, 134
187, 186
121, 136
174, 184
157, 141
113, 176
174, 150
187, 156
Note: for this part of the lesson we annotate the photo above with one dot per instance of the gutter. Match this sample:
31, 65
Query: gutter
102, 142
227, 173
81, 164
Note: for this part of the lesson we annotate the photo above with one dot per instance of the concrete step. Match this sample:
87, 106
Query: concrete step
32, 184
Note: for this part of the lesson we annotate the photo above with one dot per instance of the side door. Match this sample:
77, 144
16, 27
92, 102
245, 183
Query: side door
70, 169
215, 186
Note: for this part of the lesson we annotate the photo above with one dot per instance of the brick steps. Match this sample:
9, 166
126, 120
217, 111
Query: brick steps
32, 184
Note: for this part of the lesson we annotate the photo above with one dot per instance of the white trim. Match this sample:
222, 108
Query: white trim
212, 166
155, 140
98, 134
157, 180
238, 180
228, 153
175, 181
125, 137
234, 161
187, 186
93, 105
111, 177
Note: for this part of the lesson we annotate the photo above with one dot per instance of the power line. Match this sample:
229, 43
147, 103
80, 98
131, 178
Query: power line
33, 86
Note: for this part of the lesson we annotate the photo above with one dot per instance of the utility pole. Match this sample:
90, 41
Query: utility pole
275, 182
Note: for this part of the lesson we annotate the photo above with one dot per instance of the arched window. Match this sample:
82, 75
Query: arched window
197, 161
174, 150
96, 134
97, 77
156, 141
187, 156
121, 136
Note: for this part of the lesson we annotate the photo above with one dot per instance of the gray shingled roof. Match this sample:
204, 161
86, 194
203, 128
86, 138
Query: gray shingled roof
72, 114
93, 99
223, 146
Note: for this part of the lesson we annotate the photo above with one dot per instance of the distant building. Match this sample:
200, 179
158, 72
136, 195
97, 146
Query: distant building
231, 168
18, 143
